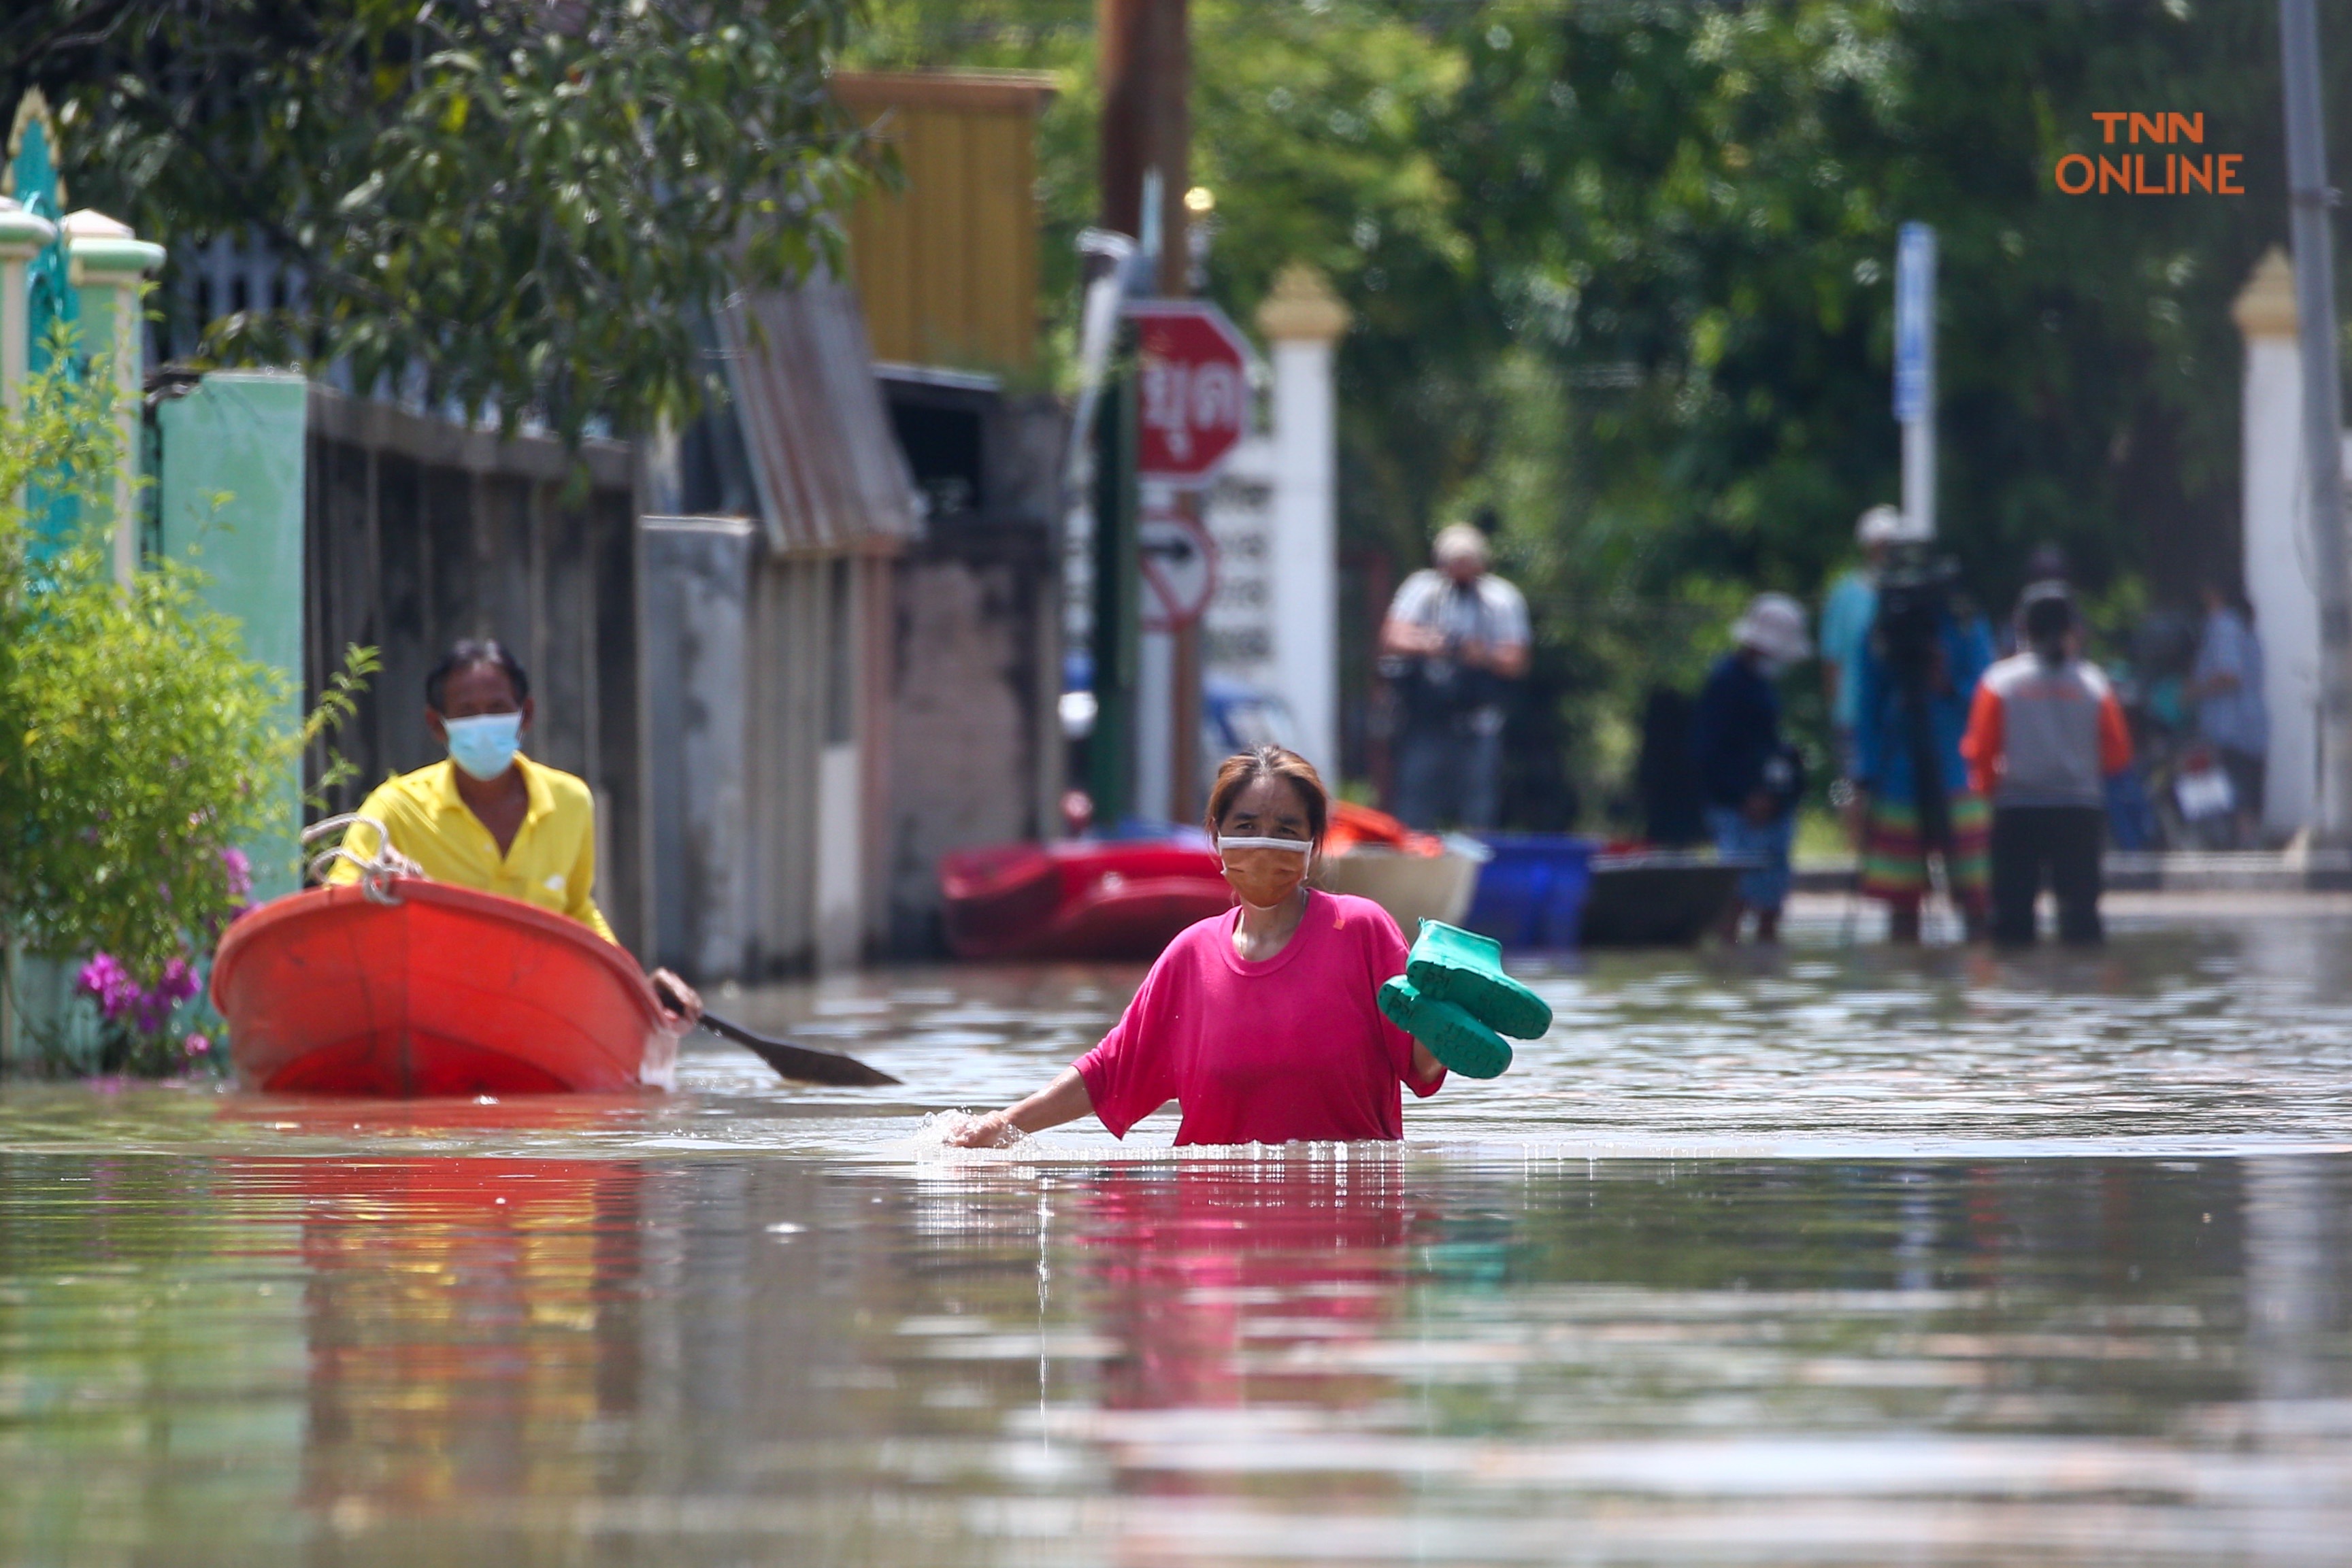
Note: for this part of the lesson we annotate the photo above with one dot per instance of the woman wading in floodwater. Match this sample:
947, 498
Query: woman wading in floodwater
1261, 1024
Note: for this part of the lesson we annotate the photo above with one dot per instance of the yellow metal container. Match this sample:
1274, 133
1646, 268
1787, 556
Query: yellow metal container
947, 267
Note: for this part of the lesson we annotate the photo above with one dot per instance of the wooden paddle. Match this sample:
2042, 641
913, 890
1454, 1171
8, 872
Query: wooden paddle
798, 1062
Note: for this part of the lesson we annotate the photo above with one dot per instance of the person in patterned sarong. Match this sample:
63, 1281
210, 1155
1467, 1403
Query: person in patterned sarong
1901, 833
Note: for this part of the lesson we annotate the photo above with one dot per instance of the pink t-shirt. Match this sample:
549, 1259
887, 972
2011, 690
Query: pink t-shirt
1293, 1048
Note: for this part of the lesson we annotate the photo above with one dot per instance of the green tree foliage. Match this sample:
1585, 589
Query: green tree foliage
527, 205
1623, 272
135, 734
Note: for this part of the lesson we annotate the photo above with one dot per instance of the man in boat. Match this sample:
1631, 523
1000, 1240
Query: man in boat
490, 818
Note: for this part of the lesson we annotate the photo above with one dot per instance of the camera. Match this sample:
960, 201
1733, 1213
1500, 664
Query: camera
1915, 603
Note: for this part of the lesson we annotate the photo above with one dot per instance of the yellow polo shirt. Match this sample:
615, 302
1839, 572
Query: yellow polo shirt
552, 862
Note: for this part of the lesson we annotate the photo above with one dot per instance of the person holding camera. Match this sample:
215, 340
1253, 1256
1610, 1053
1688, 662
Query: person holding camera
1455, 642
1752, 777
1916, 676
2045, 734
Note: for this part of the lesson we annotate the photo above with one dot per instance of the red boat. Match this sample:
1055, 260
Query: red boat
435, 990
1081, 898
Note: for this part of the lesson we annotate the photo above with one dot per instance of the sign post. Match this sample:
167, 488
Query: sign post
1914, 374
1177, 562
1191, 409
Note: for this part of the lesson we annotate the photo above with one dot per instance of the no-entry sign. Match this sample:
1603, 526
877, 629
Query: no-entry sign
1193, 378
1179, 562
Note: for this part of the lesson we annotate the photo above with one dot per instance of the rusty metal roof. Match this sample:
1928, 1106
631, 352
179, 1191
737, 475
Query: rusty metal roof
827, 466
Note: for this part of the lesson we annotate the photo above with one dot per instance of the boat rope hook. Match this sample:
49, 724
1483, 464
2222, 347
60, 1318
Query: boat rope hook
376, 873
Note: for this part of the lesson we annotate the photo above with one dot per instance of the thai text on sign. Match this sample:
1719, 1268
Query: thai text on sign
1192, 387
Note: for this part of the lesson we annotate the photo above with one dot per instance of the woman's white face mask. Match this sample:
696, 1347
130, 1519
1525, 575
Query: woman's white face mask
1264, 872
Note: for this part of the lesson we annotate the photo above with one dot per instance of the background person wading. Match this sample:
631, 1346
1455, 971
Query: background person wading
1752, 777
2231, 716
1912, 688
2046, 733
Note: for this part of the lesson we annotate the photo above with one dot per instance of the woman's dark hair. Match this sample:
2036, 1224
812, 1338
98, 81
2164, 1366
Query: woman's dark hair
464, 655
1238, 772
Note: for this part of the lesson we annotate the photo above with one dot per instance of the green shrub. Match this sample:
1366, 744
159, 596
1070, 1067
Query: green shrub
138, 740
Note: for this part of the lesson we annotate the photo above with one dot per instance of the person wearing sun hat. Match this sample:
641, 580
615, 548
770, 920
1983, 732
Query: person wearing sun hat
1751, 776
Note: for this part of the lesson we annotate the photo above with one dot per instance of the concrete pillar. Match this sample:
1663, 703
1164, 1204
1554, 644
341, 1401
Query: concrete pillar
840, 848
2277, 548
242, 435
697, 593
23, 236
1302, 320
108, 266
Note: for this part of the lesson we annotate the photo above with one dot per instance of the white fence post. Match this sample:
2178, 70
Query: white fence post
109, 267
23, 236
2276, 544
1303, 320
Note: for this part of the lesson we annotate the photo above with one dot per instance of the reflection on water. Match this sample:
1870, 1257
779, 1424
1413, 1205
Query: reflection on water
1935, 1321
1375, 1358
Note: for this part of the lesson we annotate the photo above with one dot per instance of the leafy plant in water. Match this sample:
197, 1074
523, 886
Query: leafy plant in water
138, 740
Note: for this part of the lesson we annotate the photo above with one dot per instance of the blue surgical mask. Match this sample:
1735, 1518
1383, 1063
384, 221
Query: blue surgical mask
484, 746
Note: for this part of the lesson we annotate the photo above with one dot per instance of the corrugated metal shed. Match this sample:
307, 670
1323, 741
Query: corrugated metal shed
828, 469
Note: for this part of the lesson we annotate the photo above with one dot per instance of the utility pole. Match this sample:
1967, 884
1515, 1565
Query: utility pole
1144, 54
1145, 62
2310, 199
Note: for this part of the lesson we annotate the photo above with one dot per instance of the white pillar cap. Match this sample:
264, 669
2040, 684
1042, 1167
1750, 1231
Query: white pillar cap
96, 243
2265, 307
23, 235
1302, 306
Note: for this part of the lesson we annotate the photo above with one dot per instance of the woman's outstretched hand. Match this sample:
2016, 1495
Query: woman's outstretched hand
1064, 1100
962, 1130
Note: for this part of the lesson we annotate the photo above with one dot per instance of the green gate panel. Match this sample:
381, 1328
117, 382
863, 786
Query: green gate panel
239, 434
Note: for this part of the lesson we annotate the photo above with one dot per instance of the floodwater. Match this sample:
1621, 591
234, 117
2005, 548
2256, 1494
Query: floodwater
1831, 1257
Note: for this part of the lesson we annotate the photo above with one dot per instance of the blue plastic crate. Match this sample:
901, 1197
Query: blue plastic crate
1531, 894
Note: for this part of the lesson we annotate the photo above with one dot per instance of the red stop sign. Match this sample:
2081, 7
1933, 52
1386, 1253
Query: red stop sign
1193, 378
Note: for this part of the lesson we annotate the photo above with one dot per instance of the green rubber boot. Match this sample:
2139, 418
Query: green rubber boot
1449, 964
1459, 1041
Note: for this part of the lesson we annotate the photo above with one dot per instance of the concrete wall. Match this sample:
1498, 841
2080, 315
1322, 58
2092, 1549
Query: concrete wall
976, 732
698, 588
975, 648
766, 721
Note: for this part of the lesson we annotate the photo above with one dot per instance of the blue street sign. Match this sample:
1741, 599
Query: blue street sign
1914, 321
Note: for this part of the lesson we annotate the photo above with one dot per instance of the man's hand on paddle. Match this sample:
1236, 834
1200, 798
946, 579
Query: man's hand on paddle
680, 1002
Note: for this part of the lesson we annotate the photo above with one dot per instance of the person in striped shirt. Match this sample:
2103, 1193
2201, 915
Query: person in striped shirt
2044, 734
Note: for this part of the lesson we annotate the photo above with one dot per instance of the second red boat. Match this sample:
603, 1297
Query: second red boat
1105, 899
